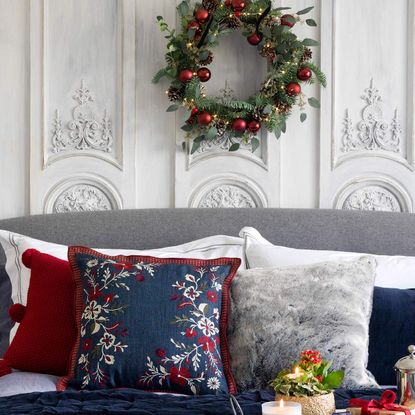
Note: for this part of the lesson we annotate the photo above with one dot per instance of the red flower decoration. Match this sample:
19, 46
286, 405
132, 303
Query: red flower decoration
212, 296
319, 378
87, 344
208, 344
190, 333
139, 278
92, 295
161, 353
311, 357
108, 298
179, 376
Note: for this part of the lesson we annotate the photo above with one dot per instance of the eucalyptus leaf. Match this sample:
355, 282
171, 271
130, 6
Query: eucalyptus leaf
303, 117
212, 133
254, 144
195, 147
314, 102
172, 108
305, 11
187, 128
191, 33
183, 8
187, 115
310, 42
267, 109
283, 126
311, 22
235, 147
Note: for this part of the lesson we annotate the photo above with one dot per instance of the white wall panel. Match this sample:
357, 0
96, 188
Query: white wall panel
14, 108
355, 153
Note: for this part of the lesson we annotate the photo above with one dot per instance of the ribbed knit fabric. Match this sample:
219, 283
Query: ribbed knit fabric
46, 335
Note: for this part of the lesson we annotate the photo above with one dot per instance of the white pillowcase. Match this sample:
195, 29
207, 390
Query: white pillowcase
21, 382
392, 271
15, 245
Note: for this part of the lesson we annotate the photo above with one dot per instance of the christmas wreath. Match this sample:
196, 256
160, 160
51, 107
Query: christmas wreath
190, 52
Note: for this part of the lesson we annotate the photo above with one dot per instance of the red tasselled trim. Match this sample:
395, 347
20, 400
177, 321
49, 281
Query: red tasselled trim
225, 308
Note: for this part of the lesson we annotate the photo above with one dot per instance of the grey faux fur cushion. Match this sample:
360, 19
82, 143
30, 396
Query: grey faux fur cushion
279, 312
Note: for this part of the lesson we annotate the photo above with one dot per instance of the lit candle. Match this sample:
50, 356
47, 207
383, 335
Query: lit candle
281, 408
296, 374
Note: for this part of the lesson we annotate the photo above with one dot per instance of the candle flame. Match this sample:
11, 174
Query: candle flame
281, 403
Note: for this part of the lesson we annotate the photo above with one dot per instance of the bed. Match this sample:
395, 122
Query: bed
375, 233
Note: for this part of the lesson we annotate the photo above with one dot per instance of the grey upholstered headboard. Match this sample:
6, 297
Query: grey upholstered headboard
371, 232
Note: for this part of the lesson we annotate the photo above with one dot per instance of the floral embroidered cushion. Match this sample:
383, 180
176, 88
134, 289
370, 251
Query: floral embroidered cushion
151, 323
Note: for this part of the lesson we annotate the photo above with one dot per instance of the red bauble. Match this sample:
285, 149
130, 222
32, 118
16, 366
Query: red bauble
186, 75
293, 89
304, 74
288, 20
204, 74
238, 14
238, 5
195, 111
202, 15
204, 118
239, 125
228, 3
255, 39
254, 126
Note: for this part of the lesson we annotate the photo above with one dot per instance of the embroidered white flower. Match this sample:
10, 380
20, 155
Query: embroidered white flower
213, 383
191, 293
208, 327
216, 313
82, 359
92, 263
92, 311
107, 340
109, 359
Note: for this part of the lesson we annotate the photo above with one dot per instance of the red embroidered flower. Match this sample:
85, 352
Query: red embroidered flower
179, 376
94, 295
212, 296
87, 344
139, 278
190, 332
120, 266
319, 378
108, 298
208, 344
161, 353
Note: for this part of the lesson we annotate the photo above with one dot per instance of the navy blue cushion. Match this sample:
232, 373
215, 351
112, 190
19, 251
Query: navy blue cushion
391, 331
151, 323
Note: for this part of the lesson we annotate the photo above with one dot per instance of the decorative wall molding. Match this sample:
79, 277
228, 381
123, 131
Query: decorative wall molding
228, 192
373, 133
374, 194
86, 130
82, 198
82, 193
227, 196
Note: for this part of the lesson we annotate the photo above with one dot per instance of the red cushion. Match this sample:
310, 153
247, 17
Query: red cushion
46, 334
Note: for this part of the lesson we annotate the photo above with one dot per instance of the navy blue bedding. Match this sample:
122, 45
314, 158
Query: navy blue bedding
135, 402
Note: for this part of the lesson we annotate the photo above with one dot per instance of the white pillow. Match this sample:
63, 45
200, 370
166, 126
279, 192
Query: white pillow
392, 271
15, 245
21, 382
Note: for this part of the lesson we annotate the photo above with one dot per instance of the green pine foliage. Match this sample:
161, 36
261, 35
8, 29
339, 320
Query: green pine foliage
192, 47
